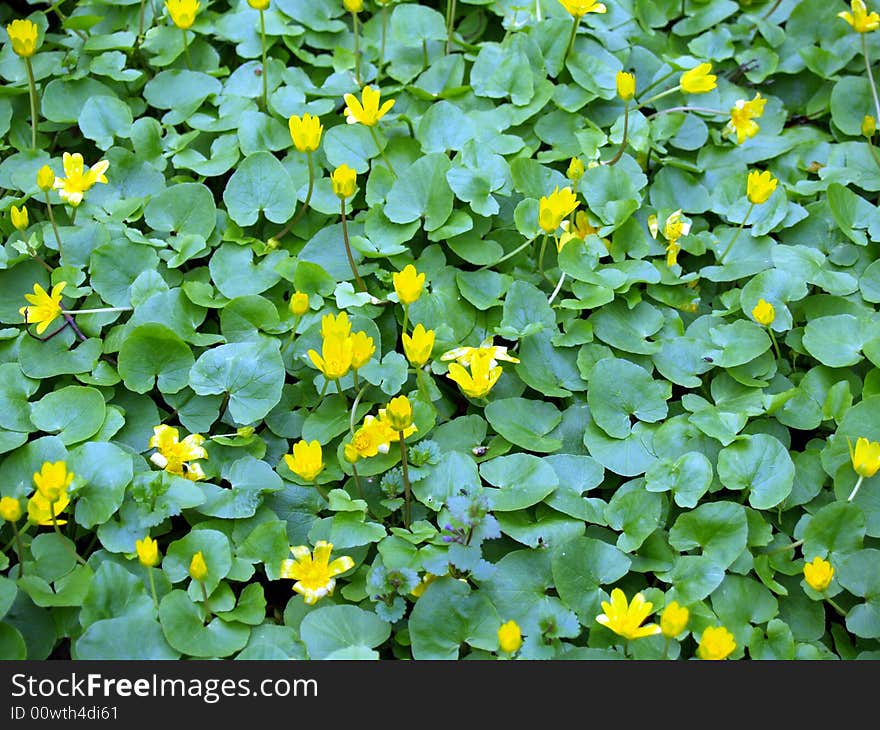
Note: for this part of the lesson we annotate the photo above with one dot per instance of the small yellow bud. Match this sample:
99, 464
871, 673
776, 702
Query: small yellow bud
10, 509
869, 126
198, 568
299, 303
575, 170
45, 178
147, 551
626, 85
343, 180
19, 217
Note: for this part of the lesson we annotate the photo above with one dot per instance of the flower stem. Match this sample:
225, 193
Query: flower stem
658, 96
357, 481
186, 49
450, 23
541, 254
699, 109
574, 29
357, 52
141, 23
153, 586
293, 329
736, 235
54, 227
299, 214
775, 343
405, 318
557, 289
64, 540
100, 310
870, 74
855, 490
32, 88
406, 486
836, 607
771, 10
873, 152
381, 150
207, 604
18, 548
76, 329
320, 397
511, 254
656, 83
265, 73
623, 140
357, 276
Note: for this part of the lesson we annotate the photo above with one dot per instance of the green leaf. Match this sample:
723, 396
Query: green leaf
105, 470
521, 480
215, 548
526, 312
619, 389
236, 275
688, 478
421, 190
185, 208
183, 627
718, 529
15, 390
74, 413
836, 340
760, 464
580, 567
132, 638
250, 373
328, 629
154, 356
260, 184
103, 118
525, 422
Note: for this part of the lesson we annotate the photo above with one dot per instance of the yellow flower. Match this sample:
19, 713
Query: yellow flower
859, 18
10, 509
44, 307
818, 574
351, 453
554, 208
626, 85
258, 4
579, 8
305, 132
408, 284
172, 454
466, 355
581, 229
198, 568
398, 414
760, 186
716, 643
865, 457
77, 180
674, 228
869, 126
672, 251
482, 376
366, 111
307, 460
40, 510
299, 303
418, 346
23, 34
698, 80
625, 618
575, 170
182, 12
343, 180
45, 178
373, 437
335, 358
764, 313
353, 6
53, 480
314, 574
426, 580
147, 551
674, 620
19, 217
509, 637
335, 324
741, 118
362, 349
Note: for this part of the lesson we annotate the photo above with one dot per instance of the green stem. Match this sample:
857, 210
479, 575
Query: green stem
657, 82
141, 22
100, 310
450, 23
425, 53
357, 53
873, 152
423, 386
186, 49
511, 254
357, 400
682, 12
320, 397
619, 154
18, 548
293, 330
357, 276
384, 32
320, 490
855, 491
64, 540
666, 638
32, 88
541, 254
381, 150
405, 318
153, 586
574, 29
736, 235
54, 227
406, 484
657, 96
339, 389
834, 605
775, 343
265, 73
870, 75
698, 109
299, 214
207, 604
556, 289
791, 546
357, 481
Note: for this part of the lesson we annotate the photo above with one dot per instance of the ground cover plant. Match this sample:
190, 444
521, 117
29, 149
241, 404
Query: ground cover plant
454, 330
